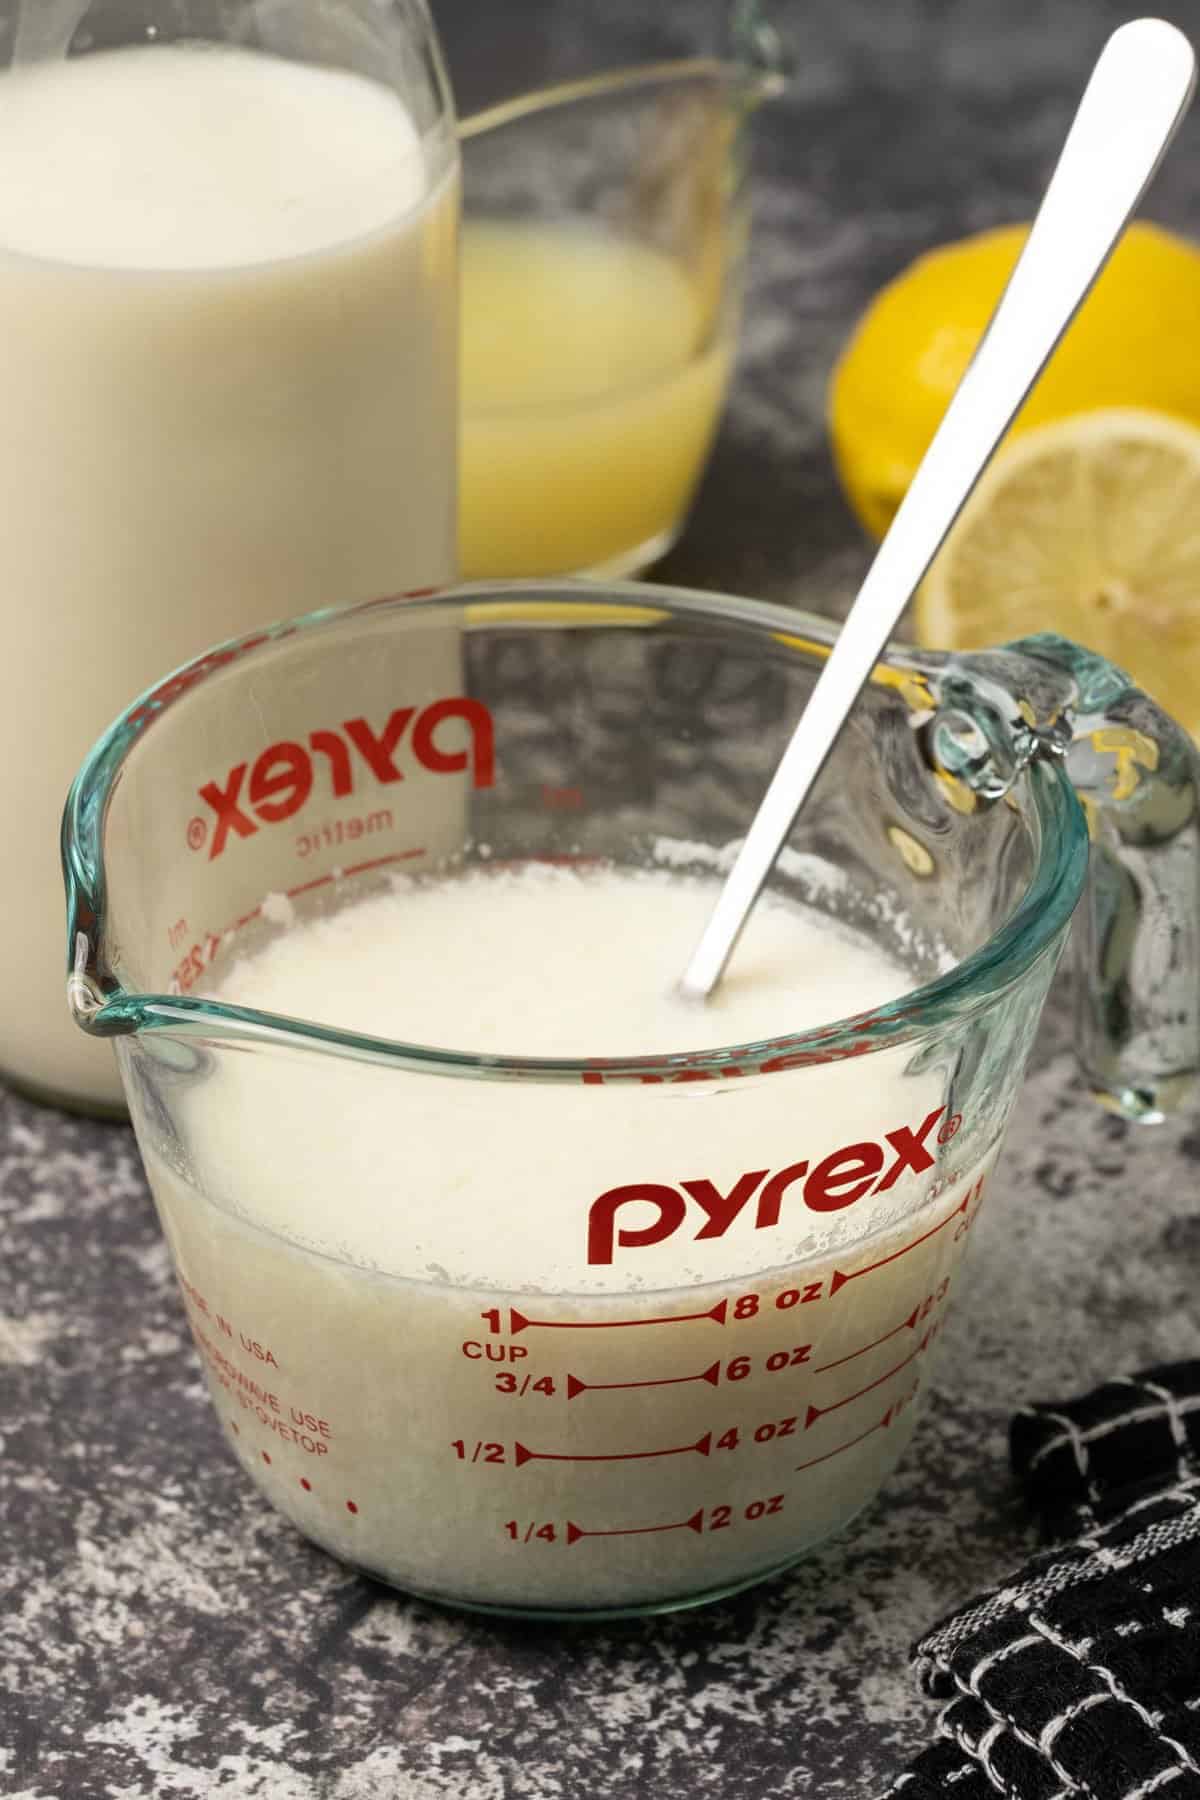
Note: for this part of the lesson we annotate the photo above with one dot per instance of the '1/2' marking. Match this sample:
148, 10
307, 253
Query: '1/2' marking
702, 1446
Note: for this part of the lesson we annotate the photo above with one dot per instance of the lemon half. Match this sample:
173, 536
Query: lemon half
1089, 527
1134, 343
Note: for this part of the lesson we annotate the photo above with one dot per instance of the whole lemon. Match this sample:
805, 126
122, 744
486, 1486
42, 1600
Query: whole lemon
1135, 342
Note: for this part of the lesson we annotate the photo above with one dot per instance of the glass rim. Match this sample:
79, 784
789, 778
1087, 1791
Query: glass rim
104, 1007
743, 77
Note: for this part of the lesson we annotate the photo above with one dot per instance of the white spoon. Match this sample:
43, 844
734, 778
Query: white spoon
1137, 95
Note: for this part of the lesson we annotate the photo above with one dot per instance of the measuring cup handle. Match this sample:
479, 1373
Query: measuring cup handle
1137, 931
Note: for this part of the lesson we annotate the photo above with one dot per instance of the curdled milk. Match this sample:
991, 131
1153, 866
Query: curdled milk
227, 353
574, 1343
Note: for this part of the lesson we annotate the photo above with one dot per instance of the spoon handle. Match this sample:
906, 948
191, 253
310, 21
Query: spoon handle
1137, 95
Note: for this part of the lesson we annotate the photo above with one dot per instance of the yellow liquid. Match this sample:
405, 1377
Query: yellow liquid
591, 382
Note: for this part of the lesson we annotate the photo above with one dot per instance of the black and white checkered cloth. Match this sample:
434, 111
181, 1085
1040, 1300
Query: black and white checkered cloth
1081, 1676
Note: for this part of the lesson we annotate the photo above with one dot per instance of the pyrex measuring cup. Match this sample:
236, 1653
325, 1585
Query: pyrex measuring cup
614, 1334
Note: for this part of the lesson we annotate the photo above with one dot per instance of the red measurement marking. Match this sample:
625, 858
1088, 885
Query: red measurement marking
351, 1506
818, 1412
265, 1457
839, 1278
702, 1446
306, 887
908, 1324
306, 1484
521, 1323
376, 862
381, 862
574, 1386
236, 1432
850, 1442
695, 1523
562, 799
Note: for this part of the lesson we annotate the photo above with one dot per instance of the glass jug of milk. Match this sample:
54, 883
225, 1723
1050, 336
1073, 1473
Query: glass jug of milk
228, 355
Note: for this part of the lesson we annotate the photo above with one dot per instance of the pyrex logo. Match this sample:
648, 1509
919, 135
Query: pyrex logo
282, 778
838, 1180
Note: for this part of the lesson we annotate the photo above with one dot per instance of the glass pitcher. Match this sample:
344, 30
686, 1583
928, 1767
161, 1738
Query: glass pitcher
230, 365
463, 1320
605, 234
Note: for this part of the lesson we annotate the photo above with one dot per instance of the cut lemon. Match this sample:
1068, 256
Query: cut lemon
1089, 527
1134, 343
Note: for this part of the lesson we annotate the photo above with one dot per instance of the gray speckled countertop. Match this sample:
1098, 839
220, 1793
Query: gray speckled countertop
162, 1631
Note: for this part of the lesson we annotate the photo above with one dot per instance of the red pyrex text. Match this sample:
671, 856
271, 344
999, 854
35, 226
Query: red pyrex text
839, 1180
284, 774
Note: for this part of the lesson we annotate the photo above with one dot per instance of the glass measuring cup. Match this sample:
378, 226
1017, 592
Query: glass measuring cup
609, 1335
605, 228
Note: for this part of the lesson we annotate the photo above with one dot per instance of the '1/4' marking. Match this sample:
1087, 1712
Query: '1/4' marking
717, 1518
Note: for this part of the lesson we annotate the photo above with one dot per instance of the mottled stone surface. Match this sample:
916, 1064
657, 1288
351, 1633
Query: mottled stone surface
162, 1632
165, 1633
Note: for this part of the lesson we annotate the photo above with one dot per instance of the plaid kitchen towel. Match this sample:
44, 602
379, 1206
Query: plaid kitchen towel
1081, 1675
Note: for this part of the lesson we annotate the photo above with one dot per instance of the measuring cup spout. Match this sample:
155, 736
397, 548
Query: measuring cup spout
759, 51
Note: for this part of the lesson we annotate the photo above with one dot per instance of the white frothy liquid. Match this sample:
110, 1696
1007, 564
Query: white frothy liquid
575, 1343
227, 354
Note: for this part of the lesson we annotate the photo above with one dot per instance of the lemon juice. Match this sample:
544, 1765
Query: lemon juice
592, 377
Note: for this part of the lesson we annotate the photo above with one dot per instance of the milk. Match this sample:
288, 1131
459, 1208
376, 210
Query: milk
592, 380
560, 1343
227, 353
